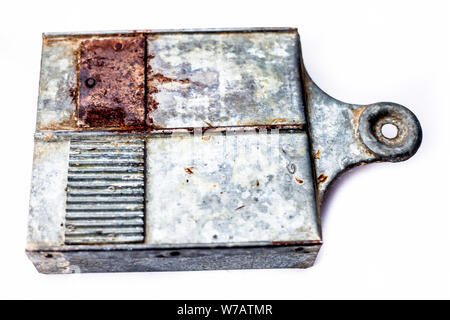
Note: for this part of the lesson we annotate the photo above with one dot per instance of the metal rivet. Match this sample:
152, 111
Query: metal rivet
90, 82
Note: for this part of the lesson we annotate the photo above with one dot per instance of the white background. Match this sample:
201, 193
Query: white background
386, 226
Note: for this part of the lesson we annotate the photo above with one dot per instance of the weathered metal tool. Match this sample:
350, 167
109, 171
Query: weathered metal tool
191, 150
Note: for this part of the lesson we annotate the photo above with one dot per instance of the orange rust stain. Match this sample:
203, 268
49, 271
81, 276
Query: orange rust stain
67, 124
356, 115
39, 153
317, 155
76, 38
214, 185
154, 80
298, 180
163, 79
73, 93
279, 120
322, 178
189, 170
47, 42
111, 82
206, 138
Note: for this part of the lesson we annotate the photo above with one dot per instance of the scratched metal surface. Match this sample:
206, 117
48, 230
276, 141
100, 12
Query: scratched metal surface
335, 146
194, 80
224, 79
233, 188
48, 195
58, 85
128, 260
345, 135
239, 188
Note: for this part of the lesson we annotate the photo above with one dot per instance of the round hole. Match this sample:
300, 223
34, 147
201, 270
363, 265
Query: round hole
90, 82
389, 131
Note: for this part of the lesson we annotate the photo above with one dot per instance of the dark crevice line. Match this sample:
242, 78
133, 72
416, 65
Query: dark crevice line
119, 225
129, 216
83, 142
119, 163
133, 155
118, 169
72, 172
81, 210
109, 217
93, 228
90, 232
99, 180
108, 207
111, 242
96, 150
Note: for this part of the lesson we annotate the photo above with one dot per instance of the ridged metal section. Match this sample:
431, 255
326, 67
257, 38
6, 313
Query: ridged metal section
105, 191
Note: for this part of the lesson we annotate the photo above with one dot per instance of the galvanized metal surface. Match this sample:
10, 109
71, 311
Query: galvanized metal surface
193, 259
48, 193
224, 79
191, 150
231, 188
58, 86
346, 135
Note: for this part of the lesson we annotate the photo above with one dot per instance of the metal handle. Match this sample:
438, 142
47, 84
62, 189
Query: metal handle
345, 135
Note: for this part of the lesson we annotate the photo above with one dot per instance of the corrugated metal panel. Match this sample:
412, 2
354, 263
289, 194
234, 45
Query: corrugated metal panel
105, 191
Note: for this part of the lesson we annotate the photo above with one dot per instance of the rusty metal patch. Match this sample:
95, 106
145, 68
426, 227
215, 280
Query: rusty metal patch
112, 82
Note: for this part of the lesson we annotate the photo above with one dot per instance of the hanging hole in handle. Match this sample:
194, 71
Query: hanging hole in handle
401, 142
389, 131
399, 130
